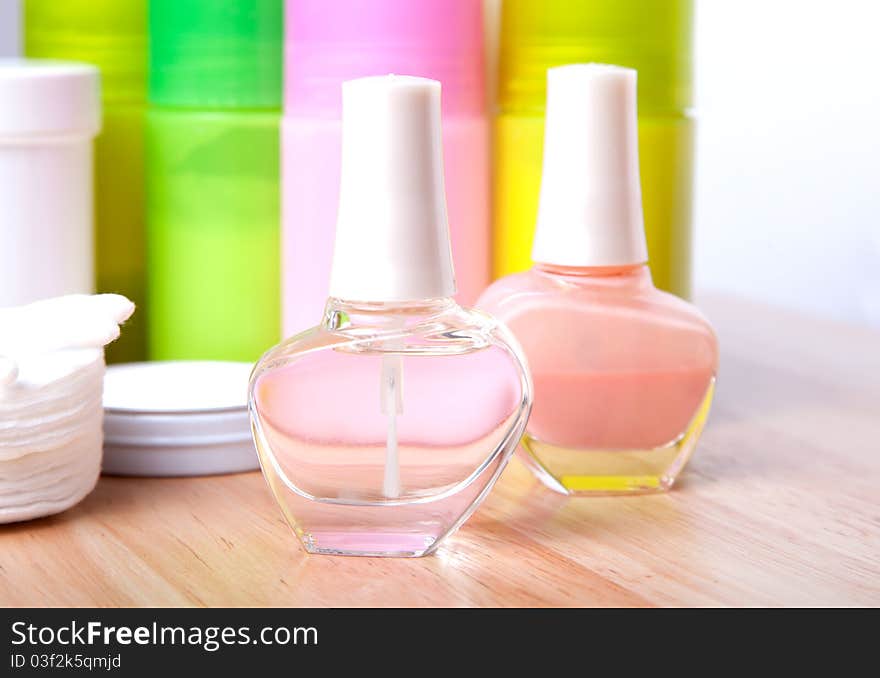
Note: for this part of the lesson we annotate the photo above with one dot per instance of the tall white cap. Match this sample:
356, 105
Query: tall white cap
392, 234
590, 212
44, 97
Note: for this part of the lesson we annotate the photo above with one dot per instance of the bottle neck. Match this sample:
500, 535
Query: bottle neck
342, 313
632, 275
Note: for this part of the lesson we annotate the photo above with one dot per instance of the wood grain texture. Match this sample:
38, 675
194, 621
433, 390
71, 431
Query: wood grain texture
780, 506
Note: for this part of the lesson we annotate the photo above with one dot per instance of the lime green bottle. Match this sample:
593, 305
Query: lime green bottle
112, 34
212, 178
652, 36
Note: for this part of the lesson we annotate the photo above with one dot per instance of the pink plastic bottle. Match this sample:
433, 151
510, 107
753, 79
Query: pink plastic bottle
327, 43
623, 372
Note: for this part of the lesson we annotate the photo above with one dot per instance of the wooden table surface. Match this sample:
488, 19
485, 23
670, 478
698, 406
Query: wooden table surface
780, 506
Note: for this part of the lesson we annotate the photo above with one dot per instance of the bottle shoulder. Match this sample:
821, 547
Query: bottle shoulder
534, 294
563, 314
449, 330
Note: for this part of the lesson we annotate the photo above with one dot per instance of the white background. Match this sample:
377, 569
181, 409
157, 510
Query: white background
788, 155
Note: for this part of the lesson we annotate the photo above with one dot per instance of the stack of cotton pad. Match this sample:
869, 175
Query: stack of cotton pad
51, 380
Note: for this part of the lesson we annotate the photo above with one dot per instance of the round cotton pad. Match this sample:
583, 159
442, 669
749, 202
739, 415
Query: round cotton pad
51, 405
180, 418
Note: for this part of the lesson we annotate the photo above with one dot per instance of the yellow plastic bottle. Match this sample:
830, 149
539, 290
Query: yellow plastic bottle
112, 34
652, 36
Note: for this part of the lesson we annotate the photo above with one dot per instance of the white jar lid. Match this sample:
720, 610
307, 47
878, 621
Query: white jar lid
45, 97
177, 418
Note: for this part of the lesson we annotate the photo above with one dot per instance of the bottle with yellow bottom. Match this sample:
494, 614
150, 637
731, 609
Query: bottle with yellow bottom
623, 373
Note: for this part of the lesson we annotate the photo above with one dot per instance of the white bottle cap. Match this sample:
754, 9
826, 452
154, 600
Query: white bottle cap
392, 235
590, 212
48, 97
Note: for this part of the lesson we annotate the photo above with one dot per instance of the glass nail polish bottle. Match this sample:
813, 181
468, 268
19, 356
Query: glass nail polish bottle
623, 372
380, 430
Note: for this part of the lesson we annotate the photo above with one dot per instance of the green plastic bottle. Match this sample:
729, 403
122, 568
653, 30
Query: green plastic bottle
212, 178
112, 34
652, 36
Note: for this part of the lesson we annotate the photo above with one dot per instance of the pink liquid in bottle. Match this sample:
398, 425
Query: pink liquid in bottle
623, 376
323, 428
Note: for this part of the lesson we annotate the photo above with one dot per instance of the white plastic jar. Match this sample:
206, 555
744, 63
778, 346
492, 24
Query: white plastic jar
50, 113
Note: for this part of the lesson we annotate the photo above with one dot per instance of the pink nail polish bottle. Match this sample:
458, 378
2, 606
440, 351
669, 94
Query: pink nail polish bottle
327, 43
380, 430
623, 372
